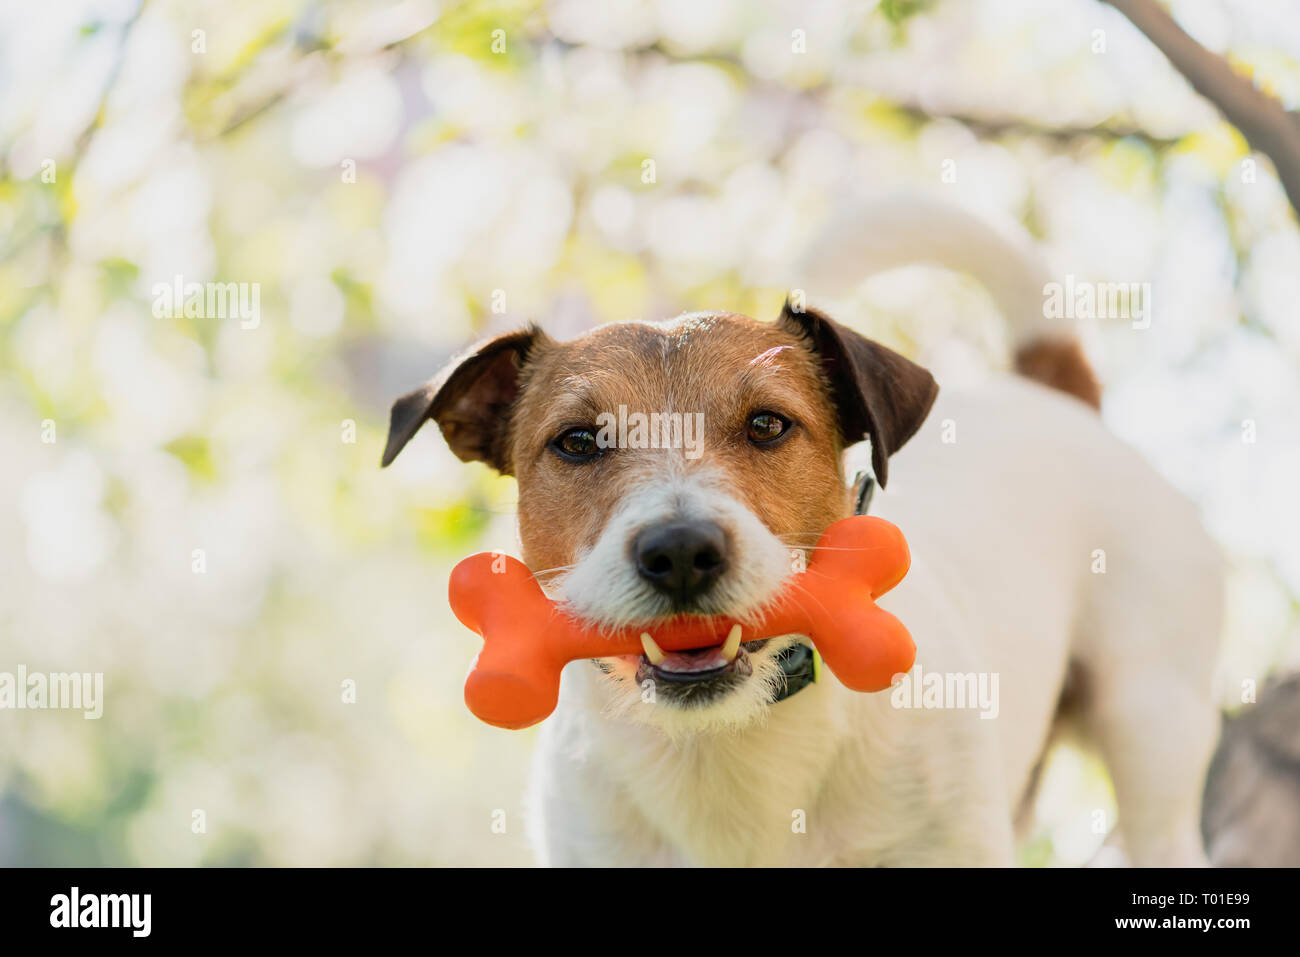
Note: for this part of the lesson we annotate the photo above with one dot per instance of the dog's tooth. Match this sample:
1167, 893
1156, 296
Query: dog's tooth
732, 646
652, 650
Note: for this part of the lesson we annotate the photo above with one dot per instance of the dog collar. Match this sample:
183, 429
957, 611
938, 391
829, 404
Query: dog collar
801, 664
864, 486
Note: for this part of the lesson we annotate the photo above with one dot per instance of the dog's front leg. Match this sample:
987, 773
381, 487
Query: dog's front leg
981, 839
985, 839
979, 830
578, 816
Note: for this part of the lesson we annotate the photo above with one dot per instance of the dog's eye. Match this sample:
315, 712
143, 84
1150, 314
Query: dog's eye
766, 427
577, 444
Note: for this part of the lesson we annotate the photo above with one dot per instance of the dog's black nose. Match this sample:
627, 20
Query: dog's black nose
681, 559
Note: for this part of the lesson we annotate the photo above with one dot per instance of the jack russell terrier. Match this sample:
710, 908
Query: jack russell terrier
738, 754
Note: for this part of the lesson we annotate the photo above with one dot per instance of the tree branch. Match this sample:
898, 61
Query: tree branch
992, 127
1265, 123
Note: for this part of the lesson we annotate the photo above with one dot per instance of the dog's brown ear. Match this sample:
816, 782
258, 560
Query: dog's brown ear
470, 400
878, 394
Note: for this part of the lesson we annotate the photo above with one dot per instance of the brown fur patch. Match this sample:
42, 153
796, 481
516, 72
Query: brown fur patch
722, 365
1060, 363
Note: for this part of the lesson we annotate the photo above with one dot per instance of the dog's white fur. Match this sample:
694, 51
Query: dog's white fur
1007, 526
605, 588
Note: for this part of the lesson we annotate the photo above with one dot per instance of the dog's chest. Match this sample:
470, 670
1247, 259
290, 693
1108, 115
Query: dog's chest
752, 797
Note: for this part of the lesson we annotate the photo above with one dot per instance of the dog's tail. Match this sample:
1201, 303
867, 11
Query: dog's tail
906, 230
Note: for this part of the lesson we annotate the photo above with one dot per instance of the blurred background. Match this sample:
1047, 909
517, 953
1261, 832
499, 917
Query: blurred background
206, 523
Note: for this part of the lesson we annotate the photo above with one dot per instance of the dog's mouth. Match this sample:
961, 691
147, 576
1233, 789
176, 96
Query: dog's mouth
698, 665
694, 677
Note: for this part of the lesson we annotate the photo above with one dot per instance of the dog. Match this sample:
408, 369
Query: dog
1048, 559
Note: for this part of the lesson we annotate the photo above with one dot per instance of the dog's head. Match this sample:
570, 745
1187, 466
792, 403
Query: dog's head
681, 467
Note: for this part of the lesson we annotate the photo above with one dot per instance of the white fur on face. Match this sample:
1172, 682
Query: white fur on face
605, 588
742, 706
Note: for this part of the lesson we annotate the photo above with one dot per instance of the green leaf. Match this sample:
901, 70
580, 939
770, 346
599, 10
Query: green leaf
195, 452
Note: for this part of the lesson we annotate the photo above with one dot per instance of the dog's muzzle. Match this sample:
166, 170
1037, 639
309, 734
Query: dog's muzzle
682, 560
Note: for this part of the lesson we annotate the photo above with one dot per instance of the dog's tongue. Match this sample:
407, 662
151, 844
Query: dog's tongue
689, 662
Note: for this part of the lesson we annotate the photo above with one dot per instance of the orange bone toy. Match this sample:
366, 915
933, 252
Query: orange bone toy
528, 639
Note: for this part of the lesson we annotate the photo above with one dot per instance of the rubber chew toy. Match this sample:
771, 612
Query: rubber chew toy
528, 639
